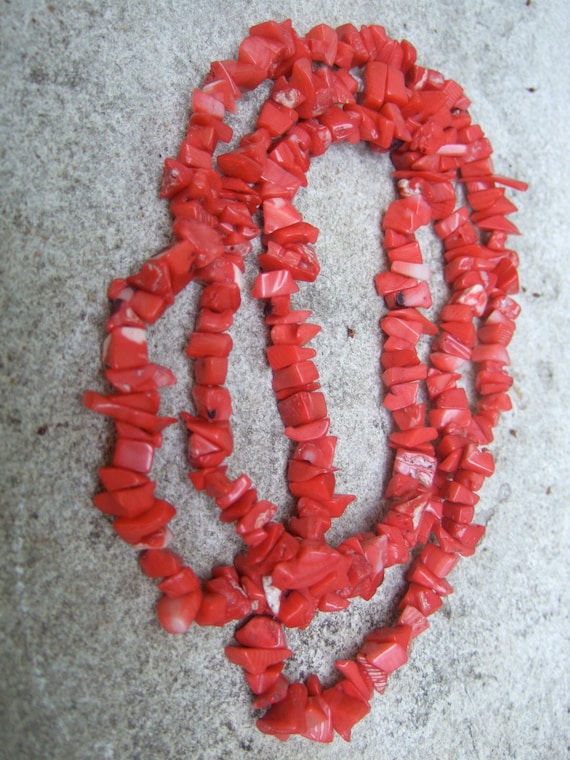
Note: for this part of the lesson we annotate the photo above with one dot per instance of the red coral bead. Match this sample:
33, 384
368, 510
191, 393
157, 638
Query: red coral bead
176, 614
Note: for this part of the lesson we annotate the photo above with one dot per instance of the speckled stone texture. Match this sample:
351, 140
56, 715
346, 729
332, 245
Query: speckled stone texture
94, 97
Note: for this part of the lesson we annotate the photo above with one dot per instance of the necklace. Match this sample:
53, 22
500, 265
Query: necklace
330, 86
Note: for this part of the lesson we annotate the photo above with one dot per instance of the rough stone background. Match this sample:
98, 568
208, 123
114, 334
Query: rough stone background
94, 96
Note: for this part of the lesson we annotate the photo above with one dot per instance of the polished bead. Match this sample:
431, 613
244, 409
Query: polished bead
275, 283
346, 710
255, 659
211, 370
319, 453
160, 539
459, 513
416, 465
284, 355
116, 478
213, 321
467, 535
221, 297
262, 631
242, 163
257, 517
377, 677
415, 271
311, 565
148, 401
318, 721
260, 683
278, 213
124, 348
423, 599
413, 618
320, 488
374, 79
323, 43
300, 232
138, 379
134, 529
179, 259
276, 118
298, 609
110, 406
494, 352
176, 614
126, 502
414, 438
294, 375
417, 296
287, 716
357, 677
449, 418
302, 408
160, 563
133, 455
343, 125
223, 90
401, 396
423, 576
201, 345
212, 610
212, 403
294, 334
478, 461
180, 583
389, 282
274, 693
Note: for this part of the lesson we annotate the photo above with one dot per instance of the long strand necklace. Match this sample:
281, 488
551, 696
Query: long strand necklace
343, 85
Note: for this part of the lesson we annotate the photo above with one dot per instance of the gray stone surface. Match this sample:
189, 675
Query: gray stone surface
94, 97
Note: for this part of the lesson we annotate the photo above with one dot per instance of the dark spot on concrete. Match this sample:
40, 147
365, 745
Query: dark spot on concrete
42, 430
38, 75
545, 372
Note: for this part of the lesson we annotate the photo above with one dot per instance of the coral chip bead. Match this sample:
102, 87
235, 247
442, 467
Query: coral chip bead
261, 683
176, 614
180, 583
302, 408
346, 710
262, 631
133, 455
160, 563
134, 529
125, 347
256, 660
407, 215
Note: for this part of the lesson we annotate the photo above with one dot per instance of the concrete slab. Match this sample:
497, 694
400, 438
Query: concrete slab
94, 97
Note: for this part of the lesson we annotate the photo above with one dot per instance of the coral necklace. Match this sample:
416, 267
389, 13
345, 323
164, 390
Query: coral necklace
330, 86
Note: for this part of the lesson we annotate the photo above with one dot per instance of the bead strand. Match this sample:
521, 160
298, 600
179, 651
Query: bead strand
287, 573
